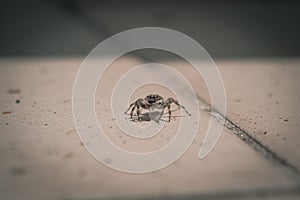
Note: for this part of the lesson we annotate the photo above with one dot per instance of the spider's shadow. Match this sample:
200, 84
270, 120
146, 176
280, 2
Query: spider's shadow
146, 117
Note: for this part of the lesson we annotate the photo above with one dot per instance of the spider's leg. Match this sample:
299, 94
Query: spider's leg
129, 108
138, 112
171, 100
162, 112
169, 109
166, 105
139, 104
133, 109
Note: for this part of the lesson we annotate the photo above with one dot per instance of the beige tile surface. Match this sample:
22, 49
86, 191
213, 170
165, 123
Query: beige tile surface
263, 98
41, 156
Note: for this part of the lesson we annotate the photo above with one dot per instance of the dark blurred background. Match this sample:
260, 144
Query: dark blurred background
226, 29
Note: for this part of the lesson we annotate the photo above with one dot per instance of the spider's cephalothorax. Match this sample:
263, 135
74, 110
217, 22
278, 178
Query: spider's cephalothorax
153, 101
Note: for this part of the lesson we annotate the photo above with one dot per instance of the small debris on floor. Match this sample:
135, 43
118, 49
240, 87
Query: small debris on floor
14, 91
6, 112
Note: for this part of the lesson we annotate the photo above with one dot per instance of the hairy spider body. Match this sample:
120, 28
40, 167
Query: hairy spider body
151, 102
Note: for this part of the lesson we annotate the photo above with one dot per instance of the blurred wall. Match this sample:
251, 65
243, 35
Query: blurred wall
227, 29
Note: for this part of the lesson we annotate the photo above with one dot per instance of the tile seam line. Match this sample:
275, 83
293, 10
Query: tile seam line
247, 138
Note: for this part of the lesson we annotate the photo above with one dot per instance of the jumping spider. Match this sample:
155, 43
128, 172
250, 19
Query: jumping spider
153, 101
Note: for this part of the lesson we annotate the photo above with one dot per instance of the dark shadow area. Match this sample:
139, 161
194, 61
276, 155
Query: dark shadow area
250, 194
226, 29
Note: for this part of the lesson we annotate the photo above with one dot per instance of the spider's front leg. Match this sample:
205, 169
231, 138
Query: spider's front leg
136, 105
129, 107
133, 105
138, 112
170, 100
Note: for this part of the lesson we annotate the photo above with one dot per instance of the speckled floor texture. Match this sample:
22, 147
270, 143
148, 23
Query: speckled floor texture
256, 157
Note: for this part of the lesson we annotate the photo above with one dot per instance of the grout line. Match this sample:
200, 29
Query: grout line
248, 139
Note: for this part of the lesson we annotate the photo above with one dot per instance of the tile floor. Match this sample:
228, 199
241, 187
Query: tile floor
42, 156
